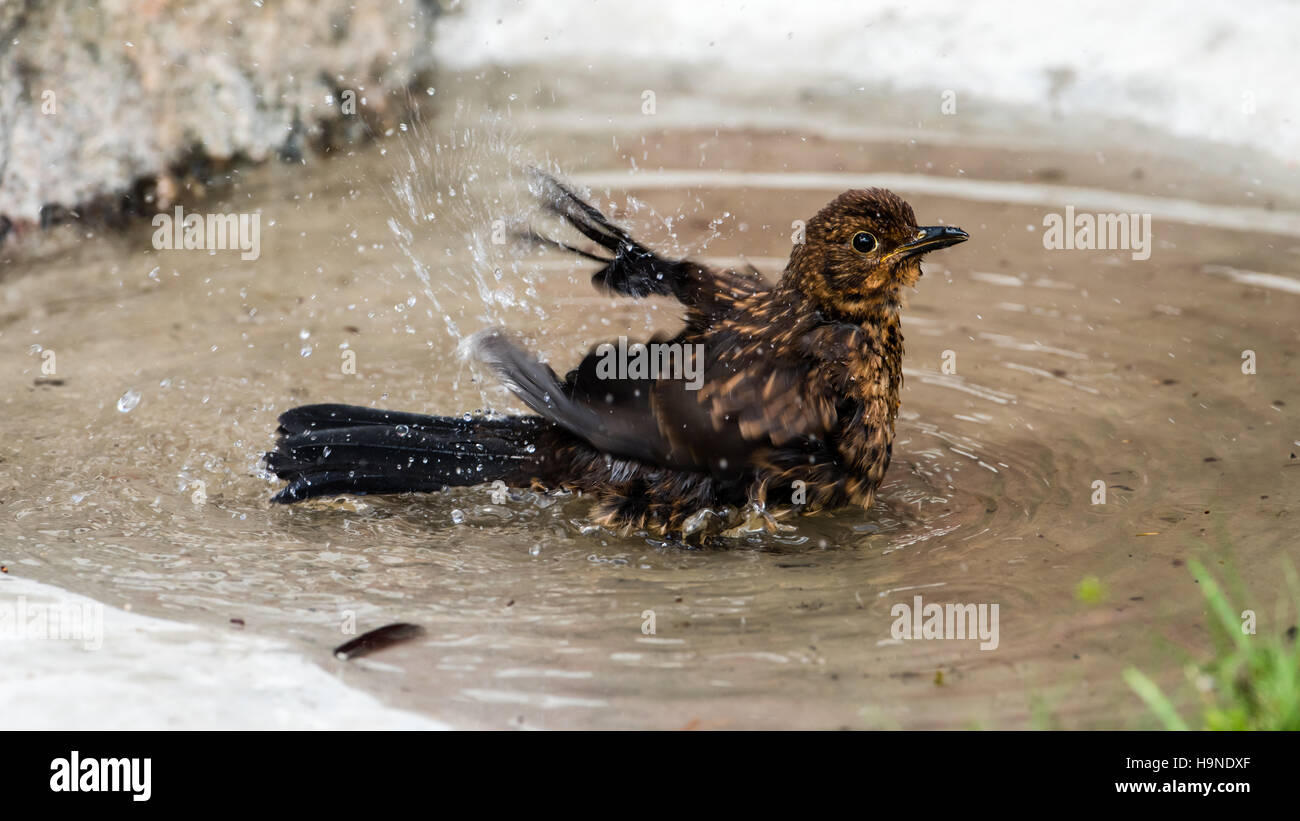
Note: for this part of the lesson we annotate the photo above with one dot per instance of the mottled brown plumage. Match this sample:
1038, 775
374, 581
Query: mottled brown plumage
795, 410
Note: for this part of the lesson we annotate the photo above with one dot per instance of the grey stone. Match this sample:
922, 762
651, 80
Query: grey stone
95, 97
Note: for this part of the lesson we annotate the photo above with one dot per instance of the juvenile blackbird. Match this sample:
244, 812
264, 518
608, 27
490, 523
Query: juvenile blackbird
793, 411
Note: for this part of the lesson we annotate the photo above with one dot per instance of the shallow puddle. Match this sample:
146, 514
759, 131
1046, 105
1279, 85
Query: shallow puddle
131, 473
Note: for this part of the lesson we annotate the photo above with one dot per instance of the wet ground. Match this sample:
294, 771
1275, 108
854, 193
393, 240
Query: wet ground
130, 474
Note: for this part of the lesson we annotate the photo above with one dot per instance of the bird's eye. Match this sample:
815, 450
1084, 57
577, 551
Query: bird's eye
863, 242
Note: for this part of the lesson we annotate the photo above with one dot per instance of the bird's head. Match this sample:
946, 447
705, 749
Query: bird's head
861, 249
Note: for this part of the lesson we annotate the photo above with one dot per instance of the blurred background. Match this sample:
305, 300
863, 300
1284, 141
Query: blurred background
99, 97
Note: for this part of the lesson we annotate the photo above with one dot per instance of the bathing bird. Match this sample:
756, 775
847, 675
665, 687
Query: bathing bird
792, 409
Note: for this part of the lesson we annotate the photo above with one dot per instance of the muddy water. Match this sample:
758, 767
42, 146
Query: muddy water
130, 474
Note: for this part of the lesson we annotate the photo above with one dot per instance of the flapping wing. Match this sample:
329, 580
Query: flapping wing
633, 269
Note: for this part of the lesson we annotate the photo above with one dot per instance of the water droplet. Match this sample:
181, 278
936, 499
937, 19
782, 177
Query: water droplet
458, 516
129, 401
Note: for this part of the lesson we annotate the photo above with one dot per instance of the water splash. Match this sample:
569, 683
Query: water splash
465, 180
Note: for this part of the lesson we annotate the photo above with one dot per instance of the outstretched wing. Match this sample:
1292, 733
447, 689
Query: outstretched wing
633, 269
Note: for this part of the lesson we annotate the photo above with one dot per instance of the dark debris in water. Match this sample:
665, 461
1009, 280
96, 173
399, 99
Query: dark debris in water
377, 639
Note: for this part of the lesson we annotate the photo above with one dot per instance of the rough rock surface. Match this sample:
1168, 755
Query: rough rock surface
97, 96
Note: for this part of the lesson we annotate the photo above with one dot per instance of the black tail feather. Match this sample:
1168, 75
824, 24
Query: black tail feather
325, 450
328, 416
